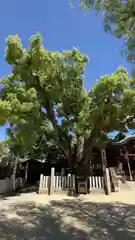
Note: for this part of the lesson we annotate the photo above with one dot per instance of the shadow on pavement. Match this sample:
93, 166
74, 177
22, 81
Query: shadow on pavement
67, 220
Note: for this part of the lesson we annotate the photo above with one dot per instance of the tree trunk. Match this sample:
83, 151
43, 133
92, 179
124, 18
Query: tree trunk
14, 173
26, 171
79, 161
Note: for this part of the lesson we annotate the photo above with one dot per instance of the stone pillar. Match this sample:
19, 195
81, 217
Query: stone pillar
105, 172
52, 179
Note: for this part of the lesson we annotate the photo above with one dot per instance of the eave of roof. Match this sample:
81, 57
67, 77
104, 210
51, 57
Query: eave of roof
121, 142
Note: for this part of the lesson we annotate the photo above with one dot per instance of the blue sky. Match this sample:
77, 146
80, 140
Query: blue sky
62, 27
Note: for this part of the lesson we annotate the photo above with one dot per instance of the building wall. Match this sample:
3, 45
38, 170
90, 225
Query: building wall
6, 185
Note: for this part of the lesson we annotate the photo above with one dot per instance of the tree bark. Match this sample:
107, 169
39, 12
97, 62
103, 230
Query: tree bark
51, 116
14, 172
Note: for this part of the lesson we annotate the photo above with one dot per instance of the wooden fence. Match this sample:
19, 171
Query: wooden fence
58, 184
96, 182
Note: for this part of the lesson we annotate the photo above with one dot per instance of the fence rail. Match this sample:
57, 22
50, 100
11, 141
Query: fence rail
96, 166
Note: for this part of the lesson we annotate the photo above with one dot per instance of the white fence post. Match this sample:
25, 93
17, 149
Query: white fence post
52, 180
44, 186
108, 183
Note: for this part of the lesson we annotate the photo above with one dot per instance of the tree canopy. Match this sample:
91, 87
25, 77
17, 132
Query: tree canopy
119, 19
44, 147
45, 93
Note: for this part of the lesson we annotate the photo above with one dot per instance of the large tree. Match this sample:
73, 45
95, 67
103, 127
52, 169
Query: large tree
119, 19
48, 87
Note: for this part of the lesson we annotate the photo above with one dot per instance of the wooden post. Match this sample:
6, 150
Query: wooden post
52, 184
127, 159
105, 172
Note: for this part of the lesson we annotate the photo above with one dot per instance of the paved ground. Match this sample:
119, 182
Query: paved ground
94, 217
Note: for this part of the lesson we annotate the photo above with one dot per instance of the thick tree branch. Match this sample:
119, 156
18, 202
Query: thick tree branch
51, 116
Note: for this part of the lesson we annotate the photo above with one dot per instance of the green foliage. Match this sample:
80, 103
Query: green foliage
5, 153
47, 87
4, 150
119, 19
43, 145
